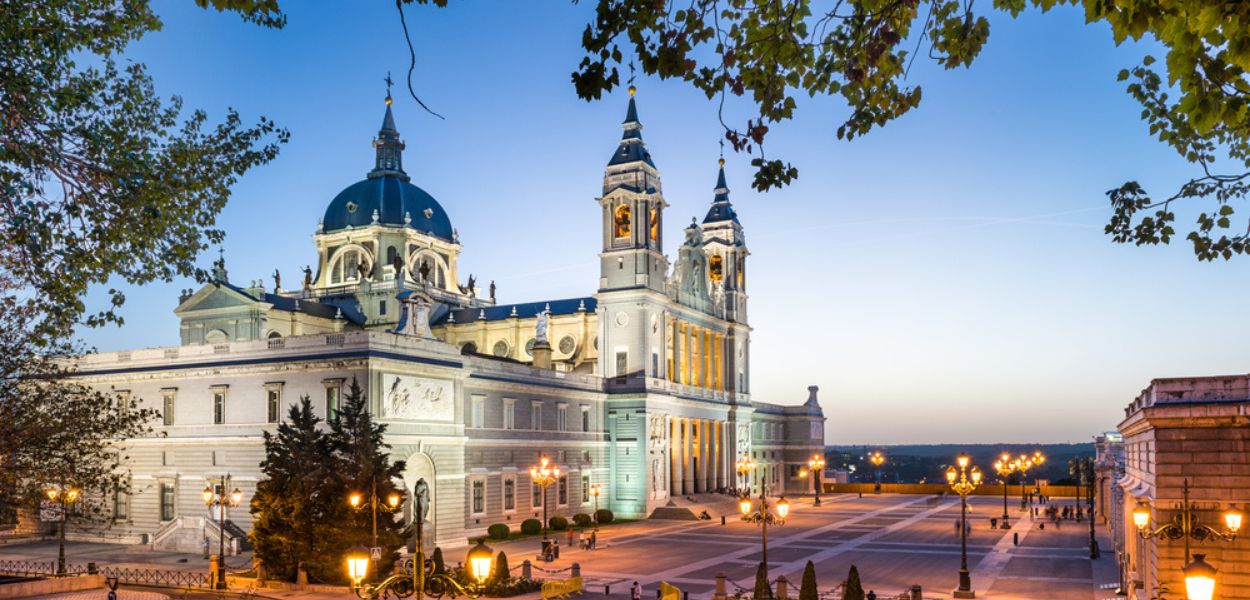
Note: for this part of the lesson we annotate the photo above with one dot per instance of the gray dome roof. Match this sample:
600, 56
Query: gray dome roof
395, 200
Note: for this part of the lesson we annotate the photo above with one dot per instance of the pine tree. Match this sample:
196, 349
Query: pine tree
501, 573
365, 466
762, 590
854, 589
440, 567
807, 590
292, 503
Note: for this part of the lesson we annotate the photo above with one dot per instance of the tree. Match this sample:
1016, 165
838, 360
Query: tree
762, 589
862, 50
358, 445
297, 498
99, 177
853, 589
807, 589
502, 572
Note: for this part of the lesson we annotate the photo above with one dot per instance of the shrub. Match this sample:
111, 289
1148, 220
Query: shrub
854, 590
762, 589
558, 523
531, 526
808, 590
501, 568
440, 567
498, 531
582, 519
604, 516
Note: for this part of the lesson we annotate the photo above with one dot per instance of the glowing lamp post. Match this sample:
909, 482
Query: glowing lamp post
356, 501
763, 517
357, 565
64, 496
877, 459
1199, 575
595, 490
817, 465
744, 466
963, 482
480, 562
543, 475
211, 498
1004, 469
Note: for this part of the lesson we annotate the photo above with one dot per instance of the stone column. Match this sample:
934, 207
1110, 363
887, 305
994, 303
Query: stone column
712, 445
674, 331
705, 440
720, 454
674, 457
687, 477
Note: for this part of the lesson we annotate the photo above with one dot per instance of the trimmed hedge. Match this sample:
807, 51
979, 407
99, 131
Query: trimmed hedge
498, 531
582, 519
558, 523
531, 526
604, 516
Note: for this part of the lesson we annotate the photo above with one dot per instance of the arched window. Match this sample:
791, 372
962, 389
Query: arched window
216, 336
349, 265
655, 224
273, 335
621, 220
468, 348
390, 255
715, 268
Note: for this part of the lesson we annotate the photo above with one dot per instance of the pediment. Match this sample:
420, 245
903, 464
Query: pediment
216, 298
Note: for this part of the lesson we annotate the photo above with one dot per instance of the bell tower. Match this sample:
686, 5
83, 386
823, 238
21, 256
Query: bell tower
725, 245
633, 214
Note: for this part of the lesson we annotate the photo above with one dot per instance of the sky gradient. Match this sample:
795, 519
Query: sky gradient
944, 279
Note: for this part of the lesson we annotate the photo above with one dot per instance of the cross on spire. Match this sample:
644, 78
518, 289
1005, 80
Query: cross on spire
389, 83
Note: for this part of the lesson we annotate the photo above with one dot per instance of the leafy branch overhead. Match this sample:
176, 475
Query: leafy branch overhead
770, 51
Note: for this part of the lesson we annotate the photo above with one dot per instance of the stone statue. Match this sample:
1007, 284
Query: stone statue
414, 318
422, 498
277, 281
472, 285
397, 263
307, 277
540, 327
492, 290
424, 270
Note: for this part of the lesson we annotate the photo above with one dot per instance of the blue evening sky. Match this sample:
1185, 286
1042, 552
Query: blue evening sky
944, 279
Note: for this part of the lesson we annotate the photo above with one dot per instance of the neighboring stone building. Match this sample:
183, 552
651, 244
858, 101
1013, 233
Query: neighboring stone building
1195, 429
642, 388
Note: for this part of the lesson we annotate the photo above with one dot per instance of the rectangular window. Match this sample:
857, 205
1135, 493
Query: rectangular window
273, 401
536, 415
121, 504
167, 406
479, 496
479, 411
382, 307
219, 406
655, 365
509, 413
536, 495
562, 491
123, 401
585, 418
585, 489
509, 493
334, 393
167, 501
562, 413
622, 363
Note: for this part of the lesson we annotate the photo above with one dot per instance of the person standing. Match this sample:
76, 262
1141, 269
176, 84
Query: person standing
635, 592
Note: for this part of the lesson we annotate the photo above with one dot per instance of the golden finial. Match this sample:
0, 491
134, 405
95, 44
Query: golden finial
721, 162
632, 90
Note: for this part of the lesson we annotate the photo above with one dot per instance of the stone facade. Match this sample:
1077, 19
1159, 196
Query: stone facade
642, 388
1185, 429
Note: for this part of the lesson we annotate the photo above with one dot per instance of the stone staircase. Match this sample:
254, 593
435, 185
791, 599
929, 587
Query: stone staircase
689, 507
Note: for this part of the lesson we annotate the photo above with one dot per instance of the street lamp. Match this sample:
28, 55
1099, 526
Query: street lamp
1022, 464
357, 564
817, 465
744, 467
1185, 526
877, 459
64, 495
356, 500
963, 482
595, 490
764, 518
1003, 467
543, 475
211, 498
423, 577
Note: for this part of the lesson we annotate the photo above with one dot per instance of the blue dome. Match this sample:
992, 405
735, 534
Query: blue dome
393, 198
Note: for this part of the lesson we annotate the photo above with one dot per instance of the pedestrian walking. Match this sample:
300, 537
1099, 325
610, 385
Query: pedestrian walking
956, 525
872, 595
635, 592
570, 538
594, 540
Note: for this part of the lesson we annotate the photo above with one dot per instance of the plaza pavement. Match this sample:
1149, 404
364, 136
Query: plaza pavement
894, 541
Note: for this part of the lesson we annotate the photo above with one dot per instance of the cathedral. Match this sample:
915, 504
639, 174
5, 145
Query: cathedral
640, 391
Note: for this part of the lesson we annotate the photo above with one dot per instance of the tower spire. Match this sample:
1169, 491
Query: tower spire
388, 149
721, 209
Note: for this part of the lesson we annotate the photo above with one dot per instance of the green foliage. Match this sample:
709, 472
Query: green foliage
558, 523
498, 531
604, 516
531, 526
808, 589
440, 567
853, 589
762, 589
582, 519
300, 512
501, 572
100, 179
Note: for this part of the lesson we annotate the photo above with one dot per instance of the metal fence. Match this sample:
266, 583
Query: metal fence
134, 576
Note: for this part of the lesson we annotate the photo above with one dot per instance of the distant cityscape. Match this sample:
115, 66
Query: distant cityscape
925, 463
